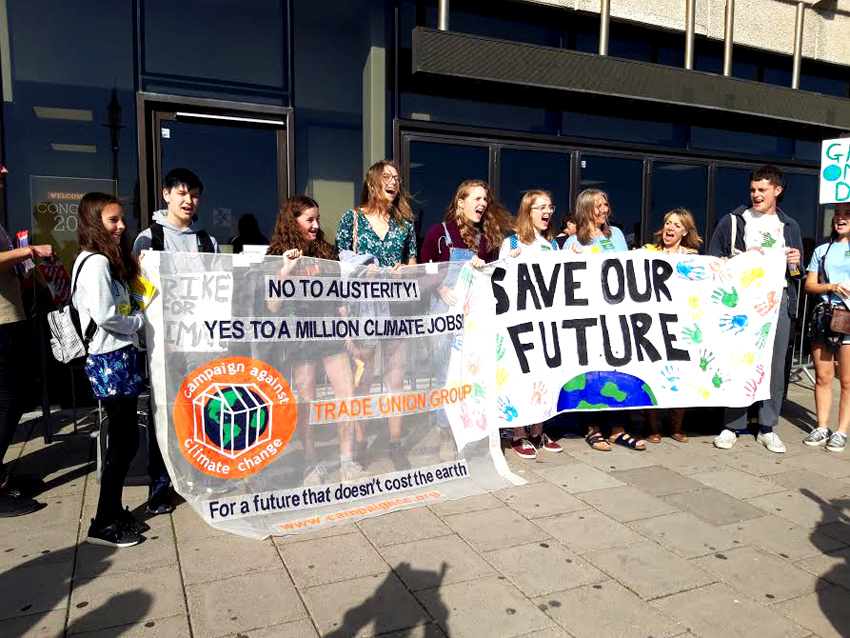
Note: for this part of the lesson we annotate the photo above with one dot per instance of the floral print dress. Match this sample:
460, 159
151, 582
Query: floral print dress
397, 246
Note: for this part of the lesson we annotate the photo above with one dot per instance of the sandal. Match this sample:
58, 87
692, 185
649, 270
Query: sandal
679, 436
597, 442
654, 438
626, 440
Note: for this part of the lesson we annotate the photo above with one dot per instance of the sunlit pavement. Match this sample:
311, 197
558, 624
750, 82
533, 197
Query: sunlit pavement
680, 540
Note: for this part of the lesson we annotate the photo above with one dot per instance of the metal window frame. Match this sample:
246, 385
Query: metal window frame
407, 131
154, 108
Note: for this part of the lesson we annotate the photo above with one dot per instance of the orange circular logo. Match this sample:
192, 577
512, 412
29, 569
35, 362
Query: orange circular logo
234, 416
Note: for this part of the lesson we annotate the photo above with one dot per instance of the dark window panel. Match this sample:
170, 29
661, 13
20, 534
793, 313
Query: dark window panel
217, 40
622, 180
520, 171
677, 185
727, 141
436, 170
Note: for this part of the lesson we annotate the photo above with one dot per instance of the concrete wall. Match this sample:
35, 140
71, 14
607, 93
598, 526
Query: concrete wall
762, 24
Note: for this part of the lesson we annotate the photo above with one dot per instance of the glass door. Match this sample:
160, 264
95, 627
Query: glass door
434, 170
679, 185
622, 179
522, 170
240, 152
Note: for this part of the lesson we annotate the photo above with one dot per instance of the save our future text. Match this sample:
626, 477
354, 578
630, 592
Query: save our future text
642, 335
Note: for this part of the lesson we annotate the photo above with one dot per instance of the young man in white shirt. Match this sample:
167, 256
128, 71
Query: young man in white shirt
763, 226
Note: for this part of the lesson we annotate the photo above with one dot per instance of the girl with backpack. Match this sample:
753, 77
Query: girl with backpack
114, 366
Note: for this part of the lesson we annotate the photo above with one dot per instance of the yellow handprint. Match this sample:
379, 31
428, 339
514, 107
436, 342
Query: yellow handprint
746, 358
696, 310
752, 276
705, 394
501, 377
595, 249
472, 328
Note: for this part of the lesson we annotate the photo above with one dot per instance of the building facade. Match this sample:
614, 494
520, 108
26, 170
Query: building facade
268, 98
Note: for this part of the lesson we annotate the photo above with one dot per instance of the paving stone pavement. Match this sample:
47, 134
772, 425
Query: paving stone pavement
681, 540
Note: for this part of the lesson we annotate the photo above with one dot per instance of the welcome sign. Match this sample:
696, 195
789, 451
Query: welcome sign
835, 171
276, 408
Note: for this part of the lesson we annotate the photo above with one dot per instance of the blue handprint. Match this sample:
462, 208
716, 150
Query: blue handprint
687, 270
734, 324
509, 412
457, 342
671, 374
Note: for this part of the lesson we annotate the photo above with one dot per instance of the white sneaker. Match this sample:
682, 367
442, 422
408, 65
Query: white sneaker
352, 471
725, 440
837, 442
315, 476
771, 441
817, 437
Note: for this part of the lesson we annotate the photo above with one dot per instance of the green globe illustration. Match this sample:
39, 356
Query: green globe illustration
600, 390
235, 418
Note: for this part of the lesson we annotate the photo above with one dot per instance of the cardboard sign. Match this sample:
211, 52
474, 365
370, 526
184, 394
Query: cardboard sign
835, 171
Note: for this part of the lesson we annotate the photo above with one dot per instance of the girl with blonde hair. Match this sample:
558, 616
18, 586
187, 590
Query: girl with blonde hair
534, 233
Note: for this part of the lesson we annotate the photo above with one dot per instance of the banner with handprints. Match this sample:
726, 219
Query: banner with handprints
561, 332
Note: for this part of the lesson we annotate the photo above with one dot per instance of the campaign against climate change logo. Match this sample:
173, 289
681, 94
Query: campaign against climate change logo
835, 171
234, 416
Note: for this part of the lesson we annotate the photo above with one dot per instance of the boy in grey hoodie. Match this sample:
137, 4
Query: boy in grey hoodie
172, 230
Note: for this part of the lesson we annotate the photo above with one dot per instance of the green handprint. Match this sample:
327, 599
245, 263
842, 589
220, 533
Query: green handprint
767, 240
466, 274
692, 336
500, 347
718, 379
762, 335
728, 299
478, 391
705, 358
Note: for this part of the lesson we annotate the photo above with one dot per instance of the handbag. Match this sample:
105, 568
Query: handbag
840, 317
67, 340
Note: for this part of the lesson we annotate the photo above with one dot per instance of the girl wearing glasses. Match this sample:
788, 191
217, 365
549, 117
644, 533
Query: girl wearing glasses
595, 235
534, 234
381, 230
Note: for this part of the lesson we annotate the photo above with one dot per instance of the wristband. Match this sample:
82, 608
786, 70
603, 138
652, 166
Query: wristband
32, 251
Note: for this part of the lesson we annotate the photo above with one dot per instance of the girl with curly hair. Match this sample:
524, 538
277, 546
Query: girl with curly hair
297, 234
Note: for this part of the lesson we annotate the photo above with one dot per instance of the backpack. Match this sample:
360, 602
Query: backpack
205, 244
67, 340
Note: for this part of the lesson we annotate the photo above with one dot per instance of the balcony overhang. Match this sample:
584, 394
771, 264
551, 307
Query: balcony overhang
515, 64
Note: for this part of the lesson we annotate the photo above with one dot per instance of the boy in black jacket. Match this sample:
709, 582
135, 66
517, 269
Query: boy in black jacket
763, 226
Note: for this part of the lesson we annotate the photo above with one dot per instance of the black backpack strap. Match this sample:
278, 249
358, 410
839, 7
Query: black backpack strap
157, 236
205, 243
92, 327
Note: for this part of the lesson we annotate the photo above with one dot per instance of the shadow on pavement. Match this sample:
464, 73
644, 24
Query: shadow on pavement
378, 607
833, 600
43, 584
799, 416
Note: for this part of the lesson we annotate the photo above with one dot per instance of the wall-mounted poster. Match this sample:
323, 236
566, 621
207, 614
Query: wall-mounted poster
54, 202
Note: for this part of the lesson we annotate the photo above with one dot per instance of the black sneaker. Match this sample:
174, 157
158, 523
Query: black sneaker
129, 521
114, 535
160, 502
398, 456
13, 504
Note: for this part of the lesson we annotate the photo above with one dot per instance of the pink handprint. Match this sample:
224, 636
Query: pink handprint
720, 271
465, 417
769, 303
760, 372
481, 422
469, 303
474, 366
751, 387
538, 392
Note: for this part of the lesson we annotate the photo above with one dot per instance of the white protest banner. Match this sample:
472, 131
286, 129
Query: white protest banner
835, 171
628, 331
254, 373
340, 393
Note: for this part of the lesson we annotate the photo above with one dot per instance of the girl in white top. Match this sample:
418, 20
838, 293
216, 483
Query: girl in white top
114, 366
534, 233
